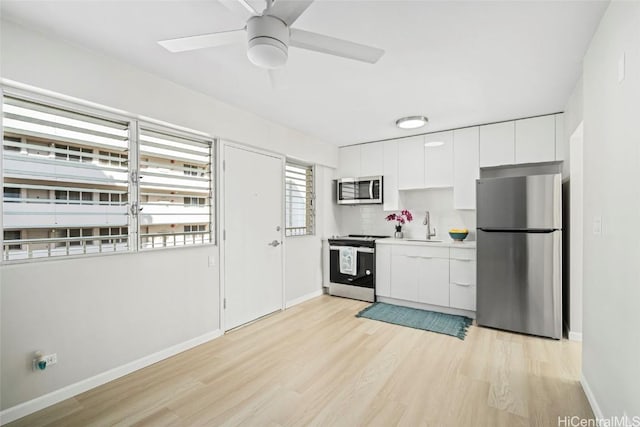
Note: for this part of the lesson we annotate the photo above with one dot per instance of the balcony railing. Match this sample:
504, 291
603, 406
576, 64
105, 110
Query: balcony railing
164, 240
63, 246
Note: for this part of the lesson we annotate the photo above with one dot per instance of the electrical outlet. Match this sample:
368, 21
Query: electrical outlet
597, 226
40, 362
212, 261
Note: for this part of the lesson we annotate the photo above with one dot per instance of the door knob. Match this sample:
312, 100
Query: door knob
274, 243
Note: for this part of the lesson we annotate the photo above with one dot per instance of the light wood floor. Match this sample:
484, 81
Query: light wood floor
317, 364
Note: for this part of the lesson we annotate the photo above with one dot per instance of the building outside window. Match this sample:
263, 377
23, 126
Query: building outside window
12, 235
11, 194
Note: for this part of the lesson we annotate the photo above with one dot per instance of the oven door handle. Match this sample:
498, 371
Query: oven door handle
364, 250
371, 190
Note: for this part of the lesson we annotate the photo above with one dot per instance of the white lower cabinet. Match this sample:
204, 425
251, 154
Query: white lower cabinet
420, 273
462, 273
434, 275
433, 281
404, 278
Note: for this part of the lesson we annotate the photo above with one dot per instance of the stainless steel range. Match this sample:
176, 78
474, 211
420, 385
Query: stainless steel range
353, 266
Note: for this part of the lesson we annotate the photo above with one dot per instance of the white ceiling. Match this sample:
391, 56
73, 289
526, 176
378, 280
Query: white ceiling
459, 63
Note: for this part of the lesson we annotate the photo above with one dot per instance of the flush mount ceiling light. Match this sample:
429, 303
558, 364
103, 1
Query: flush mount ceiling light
411, 122
433, 144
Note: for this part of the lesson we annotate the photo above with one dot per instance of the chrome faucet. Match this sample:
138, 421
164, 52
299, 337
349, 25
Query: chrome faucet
427, 222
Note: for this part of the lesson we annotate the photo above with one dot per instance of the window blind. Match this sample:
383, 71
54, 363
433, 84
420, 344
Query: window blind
54, 173
299, 196
176, 189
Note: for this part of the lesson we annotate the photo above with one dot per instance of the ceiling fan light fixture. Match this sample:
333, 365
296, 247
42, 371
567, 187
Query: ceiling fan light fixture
268, 41
411, 122
267, 53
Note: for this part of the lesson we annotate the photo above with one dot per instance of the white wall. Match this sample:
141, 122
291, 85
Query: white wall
101, 313
370, 219
576, 241
611, 342
304, 275
572, 118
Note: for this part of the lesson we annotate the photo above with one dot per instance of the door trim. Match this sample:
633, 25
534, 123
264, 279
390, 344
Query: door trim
223, 144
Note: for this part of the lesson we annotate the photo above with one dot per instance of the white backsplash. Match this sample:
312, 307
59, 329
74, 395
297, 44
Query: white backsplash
370, 219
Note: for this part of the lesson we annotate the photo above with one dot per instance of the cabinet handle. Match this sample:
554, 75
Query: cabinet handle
461, 259
466, 285
418, 256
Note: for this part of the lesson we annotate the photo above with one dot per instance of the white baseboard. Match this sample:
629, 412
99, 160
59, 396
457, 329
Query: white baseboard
575, 336
597, 412
31, 406
304, 298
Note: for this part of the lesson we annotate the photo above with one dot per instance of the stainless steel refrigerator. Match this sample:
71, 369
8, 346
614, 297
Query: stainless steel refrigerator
519, 254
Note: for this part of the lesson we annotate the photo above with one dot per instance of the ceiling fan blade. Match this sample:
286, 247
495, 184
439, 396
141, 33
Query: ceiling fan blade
289, 10
277, 78
203, 41
241, 8
333, 46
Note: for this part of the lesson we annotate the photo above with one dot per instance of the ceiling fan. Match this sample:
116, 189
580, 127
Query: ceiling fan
269, 36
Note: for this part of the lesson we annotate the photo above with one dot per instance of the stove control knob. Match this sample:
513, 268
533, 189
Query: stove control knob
368, 272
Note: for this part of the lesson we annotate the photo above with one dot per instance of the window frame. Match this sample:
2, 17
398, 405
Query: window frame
131, 164
310, 207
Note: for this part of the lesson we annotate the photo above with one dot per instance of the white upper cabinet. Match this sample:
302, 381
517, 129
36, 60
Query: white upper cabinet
438, 160
390, 195
411, 163
536, 139
371, 159
466, 153
497, 144
349, 161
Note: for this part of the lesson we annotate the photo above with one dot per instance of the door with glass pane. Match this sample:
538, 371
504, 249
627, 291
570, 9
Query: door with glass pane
253, 232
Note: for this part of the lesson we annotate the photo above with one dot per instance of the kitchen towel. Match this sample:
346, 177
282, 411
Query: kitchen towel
348, 261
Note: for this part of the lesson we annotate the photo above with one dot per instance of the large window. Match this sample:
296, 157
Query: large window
176, 188
52, 178
78, 181
299, 196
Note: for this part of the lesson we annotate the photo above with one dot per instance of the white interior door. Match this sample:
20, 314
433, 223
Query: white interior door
253, 251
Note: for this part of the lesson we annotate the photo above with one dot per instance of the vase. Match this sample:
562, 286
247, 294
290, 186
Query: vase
398, 234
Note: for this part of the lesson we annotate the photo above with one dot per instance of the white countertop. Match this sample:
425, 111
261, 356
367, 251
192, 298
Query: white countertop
445, 243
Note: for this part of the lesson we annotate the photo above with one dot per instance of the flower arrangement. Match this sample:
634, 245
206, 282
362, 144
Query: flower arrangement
402, 218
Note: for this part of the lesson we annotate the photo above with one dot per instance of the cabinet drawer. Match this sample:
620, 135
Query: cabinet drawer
463, 253
462, 272
421, 251
462, 297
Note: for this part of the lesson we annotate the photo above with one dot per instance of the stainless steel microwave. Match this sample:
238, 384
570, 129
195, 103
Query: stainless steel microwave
359, 191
